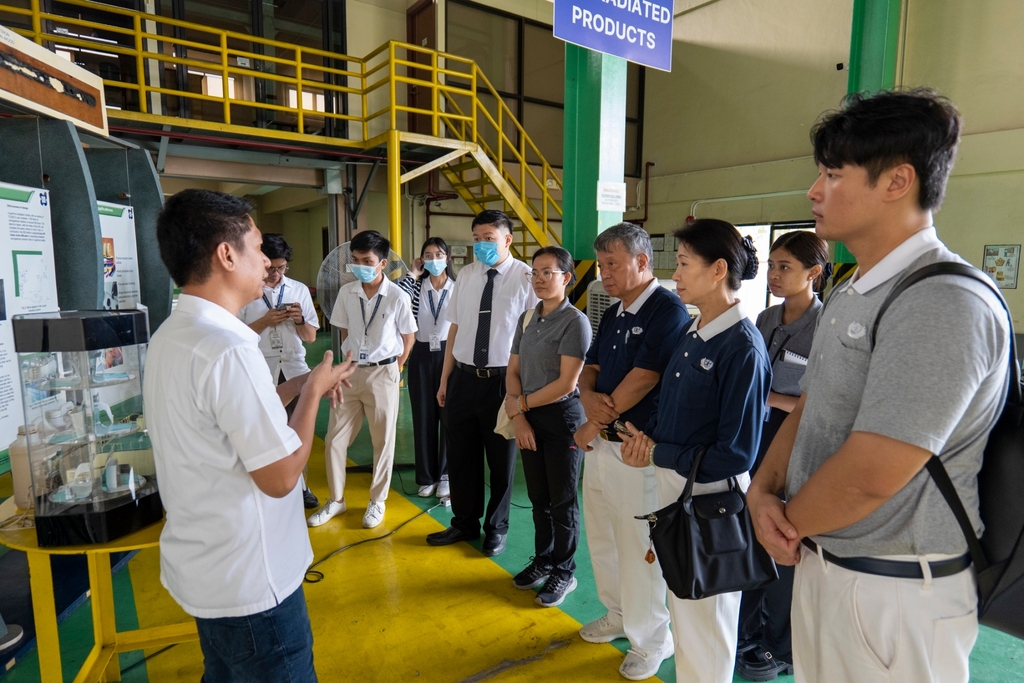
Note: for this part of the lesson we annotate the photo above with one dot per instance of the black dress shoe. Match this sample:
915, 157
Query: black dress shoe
449, 536
309, 499
758, 664
494, 544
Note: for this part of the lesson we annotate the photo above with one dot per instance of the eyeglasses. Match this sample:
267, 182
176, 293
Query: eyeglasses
279, 269
542, 275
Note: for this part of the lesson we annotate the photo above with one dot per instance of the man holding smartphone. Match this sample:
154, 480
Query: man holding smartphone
284, 317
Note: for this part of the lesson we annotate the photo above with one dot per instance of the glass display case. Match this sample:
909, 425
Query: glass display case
93, 478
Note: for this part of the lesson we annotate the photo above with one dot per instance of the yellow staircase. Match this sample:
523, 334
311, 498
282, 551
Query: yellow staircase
474, 140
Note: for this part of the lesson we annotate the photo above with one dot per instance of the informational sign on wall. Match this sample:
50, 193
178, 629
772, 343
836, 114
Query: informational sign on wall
120, 256
639, 31
611, 196
1002, 262
27, 285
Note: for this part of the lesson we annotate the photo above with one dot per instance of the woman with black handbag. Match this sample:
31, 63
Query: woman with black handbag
798, 267
711, 409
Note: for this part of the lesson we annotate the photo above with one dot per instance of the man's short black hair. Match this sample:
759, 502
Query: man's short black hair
878, 132
192, 224
371, 241
275, 247
498, 219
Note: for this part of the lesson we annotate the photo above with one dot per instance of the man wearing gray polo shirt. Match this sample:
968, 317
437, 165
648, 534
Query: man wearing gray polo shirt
883, 590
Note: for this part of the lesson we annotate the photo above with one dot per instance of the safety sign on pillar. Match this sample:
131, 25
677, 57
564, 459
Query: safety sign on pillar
639, 31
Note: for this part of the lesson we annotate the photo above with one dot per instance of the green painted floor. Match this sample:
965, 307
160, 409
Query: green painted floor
997, 658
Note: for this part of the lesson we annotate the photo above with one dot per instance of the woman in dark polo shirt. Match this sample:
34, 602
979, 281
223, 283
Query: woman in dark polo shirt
798, 267
543, 401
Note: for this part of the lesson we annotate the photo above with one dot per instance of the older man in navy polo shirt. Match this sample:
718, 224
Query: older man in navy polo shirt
621, 380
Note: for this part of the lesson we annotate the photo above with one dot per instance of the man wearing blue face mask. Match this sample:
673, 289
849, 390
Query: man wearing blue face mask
378, 330
489, 296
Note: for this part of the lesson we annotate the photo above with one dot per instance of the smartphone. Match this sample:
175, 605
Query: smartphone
620, 427
282, 307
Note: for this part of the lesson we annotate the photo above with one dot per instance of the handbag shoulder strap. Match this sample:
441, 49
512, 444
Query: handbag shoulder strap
528, 317
688, 489
934, 465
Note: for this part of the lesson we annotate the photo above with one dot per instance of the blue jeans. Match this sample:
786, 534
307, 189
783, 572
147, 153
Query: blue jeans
275, 646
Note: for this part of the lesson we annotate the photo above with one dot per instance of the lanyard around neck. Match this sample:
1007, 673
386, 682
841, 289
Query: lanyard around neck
362, 310
280, 297
440, 304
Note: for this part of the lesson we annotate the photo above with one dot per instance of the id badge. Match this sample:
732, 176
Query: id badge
276, 341
364, 355
435, 342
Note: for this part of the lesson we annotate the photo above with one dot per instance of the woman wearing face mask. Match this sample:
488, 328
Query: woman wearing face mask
429, 284
798, 267
543, 401
713, 397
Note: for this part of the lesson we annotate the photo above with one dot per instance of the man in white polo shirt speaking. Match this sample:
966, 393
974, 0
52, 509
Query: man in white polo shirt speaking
234, 550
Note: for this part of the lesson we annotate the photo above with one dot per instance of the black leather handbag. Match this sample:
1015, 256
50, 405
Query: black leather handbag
706, 544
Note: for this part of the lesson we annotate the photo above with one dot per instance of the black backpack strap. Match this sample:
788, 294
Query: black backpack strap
945, 486
951, 268
934, 466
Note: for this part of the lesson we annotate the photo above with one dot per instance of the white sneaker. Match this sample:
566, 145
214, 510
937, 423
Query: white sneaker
329, 511
444, 490
426, 491
603, 630
374, 514
643, 664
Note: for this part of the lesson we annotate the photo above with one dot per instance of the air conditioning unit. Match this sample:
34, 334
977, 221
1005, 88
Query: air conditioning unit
598, 301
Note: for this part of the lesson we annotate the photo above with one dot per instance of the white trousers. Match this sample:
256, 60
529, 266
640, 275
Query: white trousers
374, 394
704, 630
632, 590
850, 627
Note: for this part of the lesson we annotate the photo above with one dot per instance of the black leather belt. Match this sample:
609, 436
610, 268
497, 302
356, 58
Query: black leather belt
386, 361
894, 568
482, 373
610, 436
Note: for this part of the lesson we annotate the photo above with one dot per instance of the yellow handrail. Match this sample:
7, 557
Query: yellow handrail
373, 82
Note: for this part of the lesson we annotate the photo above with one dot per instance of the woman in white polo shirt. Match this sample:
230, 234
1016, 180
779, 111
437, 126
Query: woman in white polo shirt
429, 285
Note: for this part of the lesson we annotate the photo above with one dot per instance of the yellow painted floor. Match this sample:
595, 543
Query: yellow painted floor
400, 610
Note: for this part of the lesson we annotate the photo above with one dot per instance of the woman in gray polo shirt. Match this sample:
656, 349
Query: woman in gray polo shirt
798, 267
543, 401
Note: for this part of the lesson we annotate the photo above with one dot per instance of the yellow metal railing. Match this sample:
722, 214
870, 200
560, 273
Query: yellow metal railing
154, 44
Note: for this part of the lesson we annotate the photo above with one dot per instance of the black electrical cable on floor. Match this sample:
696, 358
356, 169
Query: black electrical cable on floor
315, 576
145, 659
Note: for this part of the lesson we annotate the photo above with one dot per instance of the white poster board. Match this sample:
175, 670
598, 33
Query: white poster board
28, 284
120, 257
1002, 261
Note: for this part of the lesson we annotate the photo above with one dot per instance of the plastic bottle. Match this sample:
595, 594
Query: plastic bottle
21, 468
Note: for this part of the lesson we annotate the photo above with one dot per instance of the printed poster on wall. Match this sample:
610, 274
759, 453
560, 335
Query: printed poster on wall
28, 284
1002, 262
120, 257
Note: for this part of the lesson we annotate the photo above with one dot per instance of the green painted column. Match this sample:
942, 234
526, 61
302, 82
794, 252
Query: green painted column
874, 43
594, 144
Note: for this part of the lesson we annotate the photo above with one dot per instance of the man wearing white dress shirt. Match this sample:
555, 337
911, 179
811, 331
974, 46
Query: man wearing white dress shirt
284, 317
234, 550
378, 329
489, 296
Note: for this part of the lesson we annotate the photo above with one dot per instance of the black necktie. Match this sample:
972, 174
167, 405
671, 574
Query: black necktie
483, 326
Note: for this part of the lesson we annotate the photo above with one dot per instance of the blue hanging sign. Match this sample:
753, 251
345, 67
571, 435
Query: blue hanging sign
639, 31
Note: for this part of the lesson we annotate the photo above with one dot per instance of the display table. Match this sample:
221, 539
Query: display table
102, 663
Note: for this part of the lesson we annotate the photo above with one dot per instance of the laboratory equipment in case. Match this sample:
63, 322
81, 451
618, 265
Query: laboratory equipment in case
93, 477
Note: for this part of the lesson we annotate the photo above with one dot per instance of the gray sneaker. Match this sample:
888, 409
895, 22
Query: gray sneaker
555, 590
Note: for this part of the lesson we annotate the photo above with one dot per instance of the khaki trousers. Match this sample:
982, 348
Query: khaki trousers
374, 394
850, 627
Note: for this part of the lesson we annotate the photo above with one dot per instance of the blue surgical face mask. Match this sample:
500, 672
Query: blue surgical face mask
436, 266
487, 252
364, 274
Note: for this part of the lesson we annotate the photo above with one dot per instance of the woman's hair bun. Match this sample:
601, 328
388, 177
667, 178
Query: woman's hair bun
750, 270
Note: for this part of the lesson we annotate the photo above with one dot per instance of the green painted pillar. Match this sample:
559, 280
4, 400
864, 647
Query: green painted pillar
874, 43
594, 144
